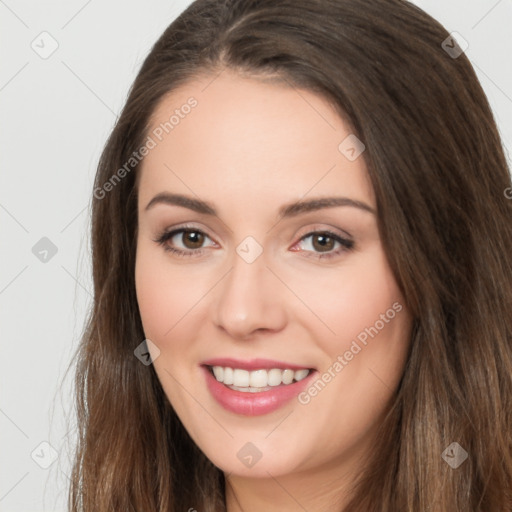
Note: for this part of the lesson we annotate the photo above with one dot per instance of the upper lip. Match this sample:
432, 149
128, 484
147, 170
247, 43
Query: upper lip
253, 364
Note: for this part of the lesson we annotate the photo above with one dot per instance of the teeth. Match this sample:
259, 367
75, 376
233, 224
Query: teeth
241, 378
228, 375
257, 380
288, 376
275, 376
218, 371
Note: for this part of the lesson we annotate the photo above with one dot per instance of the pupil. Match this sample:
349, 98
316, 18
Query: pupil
324, 244
194, 238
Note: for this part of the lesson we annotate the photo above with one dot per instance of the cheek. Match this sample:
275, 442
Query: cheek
349, 301
161, 295
151, 296
365, 349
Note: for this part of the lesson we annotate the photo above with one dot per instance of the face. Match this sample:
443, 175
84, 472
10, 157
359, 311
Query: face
294, 308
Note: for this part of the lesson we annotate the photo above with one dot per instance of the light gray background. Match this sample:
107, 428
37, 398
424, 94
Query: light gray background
56, 114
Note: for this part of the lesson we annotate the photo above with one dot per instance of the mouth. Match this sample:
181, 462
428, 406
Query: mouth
257, 387
256, 381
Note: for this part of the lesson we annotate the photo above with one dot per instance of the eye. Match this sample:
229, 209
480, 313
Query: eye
191, 237
324, 241
321, 244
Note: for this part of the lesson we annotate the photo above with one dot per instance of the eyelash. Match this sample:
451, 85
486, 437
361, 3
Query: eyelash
346, 244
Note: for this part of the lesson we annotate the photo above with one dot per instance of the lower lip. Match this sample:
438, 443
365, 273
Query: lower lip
254, 404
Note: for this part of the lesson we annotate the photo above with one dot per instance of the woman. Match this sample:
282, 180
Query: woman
301, 239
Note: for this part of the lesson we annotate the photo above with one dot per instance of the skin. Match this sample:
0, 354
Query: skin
249, 147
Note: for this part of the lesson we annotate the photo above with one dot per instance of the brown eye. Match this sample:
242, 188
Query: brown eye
183, 241
192, 239
323, 242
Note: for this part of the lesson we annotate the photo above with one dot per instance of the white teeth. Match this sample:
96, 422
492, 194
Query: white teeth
240, 378
288, 376
274, 377
218, 371
257, 380
301, 374
249, 389
228, 375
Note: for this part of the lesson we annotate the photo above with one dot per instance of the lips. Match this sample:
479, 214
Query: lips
257, 400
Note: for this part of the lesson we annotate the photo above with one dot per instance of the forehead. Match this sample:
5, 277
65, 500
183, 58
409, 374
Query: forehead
243, 139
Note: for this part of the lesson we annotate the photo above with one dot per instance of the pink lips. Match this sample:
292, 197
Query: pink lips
253, 404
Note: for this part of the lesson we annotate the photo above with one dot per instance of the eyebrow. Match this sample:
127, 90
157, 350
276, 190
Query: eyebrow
288, 210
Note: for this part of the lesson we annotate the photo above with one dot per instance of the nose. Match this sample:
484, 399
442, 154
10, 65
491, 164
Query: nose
250, 298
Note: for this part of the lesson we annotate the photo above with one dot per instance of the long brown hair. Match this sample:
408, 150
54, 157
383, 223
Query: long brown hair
439, 174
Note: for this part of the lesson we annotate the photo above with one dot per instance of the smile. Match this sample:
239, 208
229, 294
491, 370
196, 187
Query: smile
255, 387
256, 381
